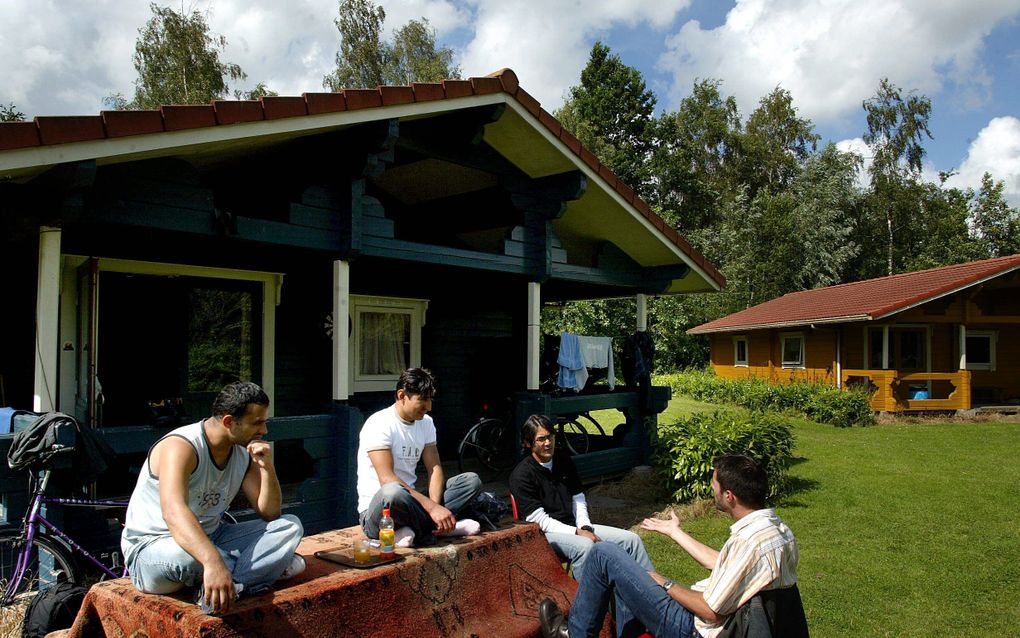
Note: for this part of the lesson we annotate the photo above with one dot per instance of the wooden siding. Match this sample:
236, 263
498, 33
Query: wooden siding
764, 358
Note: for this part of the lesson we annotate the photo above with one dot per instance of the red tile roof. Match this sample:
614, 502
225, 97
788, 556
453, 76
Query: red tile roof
52, 130
861, 300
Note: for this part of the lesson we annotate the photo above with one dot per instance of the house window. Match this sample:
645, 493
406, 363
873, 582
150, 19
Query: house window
385, 340
740, 351
981, 350
793, 351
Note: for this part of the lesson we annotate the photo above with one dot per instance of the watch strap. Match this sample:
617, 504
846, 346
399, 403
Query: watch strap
666, 585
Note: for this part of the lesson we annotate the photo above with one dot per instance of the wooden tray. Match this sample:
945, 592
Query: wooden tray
346, 558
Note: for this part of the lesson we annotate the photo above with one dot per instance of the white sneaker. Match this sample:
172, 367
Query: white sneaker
403, 537
297, 565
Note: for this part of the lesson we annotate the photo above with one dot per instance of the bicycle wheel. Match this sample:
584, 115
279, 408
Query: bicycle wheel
488, 446
575, 436
589, 423
49, 563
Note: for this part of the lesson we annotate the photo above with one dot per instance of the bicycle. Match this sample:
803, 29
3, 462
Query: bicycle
40, 554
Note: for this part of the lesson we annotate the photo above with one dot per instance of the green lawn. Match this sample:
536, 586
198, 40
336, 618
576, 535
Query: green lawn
903, 529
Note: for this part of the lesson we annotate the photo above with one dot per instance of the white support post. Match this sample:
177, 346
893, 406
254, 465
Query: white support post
534, 331
341, 338
839, 357
47, 321
642, 312
885, 347
963, 347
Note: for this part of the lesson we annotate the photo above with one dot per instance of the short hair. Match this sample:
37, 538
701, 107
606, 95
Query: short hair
745, 477
235, 398
417, 382
530, 428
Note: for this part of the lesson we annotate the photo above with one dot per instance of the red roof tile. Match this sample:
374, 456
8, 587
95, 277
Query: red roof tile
277, 107
59, 130
325, 103
861, 300
62, 129
123, 123
18, 135
184, 116
237, 111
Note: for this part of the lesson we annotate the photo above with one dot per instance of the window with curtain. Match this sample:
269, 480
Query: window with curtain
385, 347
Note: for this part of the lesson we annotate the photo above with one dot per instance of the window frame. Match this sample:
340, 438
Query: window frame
737, 363
787, 336
415, 308
993, 338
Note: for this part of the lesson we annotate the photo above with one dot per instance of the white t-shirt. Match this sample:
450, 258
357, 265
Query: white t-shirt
385, 431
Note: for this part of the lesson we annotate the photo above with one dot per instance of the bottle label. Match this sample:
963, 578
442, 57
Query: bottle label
386, 542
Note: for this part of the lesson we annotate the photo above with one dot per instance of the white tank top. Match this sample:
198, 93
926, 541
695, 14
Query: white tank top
210, 490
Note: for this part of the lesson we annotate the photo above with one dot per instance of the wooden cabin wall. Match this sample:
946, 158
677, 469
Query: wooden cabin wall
1004, 381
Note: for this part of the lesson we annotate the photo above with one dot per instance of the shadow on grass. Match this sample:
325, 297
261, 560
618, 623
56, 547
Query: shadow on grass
796, 485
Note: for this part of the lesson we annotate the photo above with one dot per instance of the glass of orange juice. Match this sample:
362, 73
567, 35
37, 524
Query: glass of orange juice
362, 551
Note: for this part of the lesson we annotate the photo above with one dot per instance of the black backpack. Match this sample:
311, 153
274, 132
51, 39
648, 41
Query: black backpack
52, 608
55, 440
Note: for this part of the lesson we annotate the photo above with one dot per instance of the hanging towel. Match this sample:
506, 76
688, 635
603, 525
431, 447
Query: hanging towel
597, 352
573, 373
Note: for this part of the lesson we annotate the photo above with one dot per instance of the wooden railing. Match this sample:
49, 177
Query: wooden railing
891, 389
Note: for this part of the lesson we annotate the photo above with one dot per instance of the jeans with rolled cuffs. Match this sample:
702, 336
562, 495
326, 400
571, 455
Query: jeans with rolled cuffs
256, 553
461, 491
575, 549
641, 604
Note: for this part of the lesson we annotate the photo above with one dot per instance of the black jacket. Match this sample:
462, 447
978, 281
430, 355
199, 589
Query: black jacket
533, 487
772, 613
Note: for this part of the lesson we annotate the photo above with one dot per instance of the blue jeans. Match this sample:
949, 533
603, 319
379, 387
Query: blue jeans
256, 553
575, 549
641, 605
461, 491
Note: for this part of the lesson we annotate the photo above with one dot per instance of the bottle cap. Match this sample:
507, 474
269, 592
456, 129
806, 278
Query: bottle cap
386, 511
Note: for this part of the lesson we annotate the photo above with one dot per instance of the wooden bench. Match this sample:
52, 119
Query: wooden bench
489, 585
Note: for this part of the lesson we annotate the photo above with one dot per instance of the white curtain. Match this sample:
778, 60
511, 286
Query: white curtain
384, 337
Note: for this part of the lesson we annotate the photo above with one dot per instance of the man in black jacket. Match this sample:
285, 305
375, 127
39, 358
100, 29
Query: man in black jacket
548, 492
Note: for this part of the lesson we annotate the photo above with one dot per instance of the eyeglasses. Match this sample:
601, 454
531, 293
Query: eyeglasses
543, 439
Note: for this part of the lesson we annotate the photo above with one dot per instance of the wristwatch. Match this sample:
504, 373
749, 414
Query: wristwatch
666, 585
588, 528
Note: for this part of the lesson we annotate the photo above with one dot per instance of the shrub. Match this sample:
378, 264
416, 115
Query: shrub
685, 450
818, 401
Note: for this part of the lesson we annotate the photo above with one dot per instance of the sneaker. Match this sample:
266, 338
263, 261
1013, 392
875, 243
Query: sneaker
207, 609
297, 565
403, 537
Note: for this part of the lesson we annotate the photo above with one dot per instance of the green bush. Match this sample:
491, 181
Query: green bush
685, 450
818, 401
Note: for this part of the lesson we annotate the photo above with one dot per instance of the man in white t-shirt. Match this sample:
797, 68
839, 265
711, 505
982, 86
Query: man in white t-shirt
391, 443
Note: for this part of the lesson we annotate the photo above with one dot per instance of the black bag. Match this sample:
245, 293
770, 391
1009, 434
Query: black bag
488, 509
56, 440
52, 608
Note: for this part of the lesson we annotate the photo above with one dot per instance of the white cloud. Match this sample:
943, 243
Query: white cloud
547, 44
996, 150
857, 145
830, 55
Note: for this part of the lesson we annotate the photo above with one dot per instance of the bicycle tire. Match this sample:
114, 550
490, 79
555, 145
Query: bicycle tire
50, 562
591, 420
489, 444
575, 437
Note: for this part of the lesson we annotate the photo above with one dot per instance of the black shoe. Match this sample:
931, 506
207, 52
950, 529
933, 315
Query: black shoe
554, 623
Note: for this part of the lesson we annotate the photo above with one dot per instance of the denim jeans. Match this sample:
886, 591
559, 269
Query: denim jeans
461, 491
256, 553
641, 605
575, 549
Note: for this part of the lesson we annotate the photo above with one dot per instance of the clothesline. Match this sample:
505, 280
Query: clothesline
580, 352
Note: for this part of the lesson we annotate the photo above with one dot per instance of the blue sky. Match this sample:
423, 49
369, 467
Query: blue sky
64, 56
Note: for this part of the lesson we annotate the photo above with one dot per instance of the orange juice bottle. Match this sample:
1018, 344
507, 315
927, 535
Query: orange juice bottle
386, 535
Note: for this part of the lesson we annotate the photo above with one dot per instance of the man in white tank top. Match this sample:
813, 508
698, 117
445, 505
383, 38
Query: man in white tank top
173, 535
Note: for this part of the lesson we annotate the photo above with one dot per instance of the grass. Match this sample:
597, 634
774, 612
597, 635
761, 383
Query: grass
904, 529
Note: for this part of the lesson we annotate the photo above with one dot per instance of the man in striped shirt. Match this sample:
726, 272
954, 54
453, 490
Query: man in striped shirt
761, 554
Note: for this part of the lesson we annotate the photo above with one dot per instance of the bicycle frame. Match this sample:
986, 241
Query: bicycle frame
34, 519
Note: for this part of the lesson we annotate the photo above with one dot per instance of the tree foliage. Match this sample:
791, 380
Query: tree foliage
178, 62
10, 113
364, 60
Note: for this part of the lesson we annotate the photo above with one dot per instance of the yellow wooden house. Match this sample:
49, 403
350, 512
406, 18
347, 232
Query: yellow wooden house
940, 339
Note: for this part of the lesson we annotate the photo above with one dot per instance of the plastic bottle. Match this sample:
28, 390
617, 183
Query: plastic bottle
386, 535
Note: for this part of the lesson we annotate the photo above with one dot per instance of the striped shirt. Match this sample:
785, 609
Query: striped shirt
761, 553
